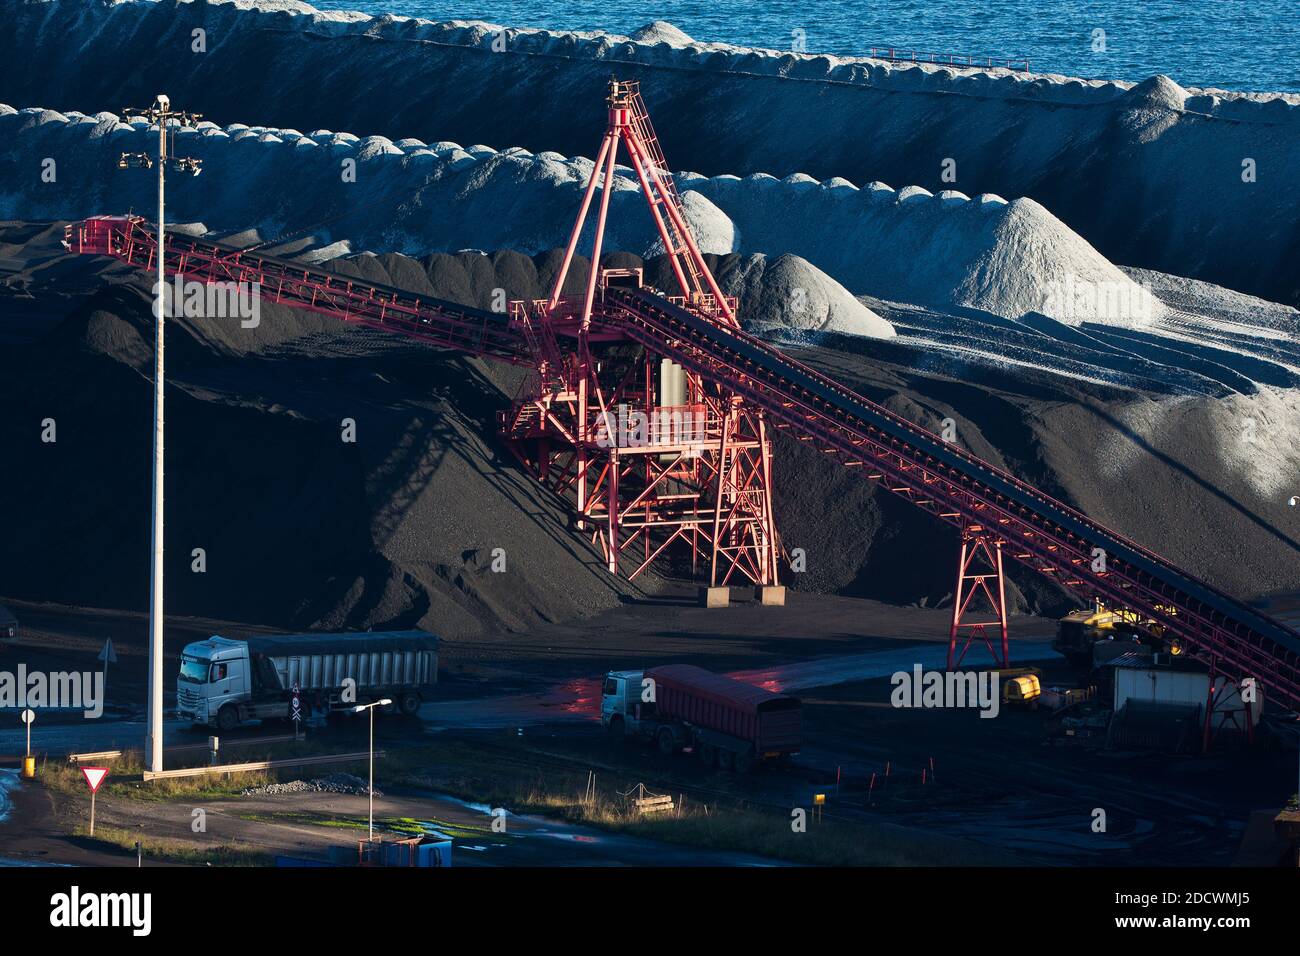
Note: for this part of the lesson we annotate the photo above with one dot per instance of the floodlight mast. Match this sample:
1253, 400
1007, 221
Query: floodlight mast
168, 120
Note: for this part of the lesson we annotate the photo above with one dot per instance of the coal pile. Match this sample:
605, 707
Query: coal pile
298, 527
398, 529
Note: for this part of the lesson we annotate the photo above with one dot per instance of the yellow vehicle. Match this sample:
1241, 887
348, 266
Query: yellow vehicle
1078, 631
1025, 689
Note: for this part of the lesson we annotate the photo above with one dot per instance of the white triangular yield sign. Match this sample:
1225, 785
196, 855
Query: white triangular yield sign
94, 776
108, 655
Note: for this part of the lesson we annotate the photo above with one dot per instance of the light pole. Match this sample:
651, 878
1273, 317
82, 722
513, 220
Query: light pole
168, 120
371, 707
1293, 501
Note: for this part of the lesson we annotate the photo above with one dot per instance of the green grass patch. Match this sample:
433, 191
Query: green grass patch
398, 826
176, 851
499, 775
126, 773
740, 829
125, 779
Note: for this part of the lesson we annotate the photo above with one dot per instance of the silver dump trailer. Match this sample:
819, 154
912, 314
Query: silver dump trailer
224, 682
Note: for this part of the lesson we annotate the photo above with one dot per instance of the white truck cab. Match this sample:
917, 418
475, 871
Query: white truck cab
619, 701
213, 673
224, 682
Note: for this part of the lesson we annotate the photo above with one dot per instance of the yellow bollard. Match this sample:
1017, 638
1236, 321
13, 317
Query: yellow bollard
29, 768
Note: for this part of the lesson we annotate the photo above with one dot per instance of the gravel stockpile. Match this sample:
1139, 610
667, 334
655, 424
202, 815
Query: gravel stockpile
783, 293
1150, 174
334, 783
904, 245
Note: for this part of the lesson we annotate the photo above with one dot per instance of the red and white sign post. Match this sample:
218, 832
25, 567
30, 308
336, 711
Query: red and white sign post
94, 777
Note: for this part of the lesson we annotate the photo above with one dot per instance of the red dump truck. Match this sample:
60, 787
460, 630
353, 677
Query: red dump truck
680, 707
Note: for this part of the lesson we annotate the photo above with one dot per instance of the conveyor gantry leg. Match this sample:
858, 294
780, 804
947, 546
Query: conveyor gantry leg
979, 593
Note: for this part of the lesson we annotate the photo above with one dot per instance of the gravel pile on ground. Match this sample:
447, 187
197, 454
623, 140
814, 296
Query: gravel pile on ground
334, 783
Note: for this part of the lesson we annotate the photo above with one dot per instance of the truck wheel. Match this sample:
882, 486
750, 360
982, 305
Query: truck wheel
708, 755
227, 718
667, 742
743, 762
726, 759
616, 728
409, 704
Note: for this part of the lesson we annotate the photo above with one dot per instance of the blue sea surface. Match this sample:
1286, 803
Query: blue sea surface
1233, 44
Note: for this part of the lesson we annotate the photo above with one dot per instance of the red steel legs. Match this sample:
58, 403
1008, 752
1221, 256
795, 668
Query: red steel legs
980, 594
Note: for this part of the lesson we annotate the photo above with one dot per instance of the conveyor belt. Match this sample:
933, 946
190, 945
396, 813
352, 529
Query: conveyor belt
354, 300
960, 488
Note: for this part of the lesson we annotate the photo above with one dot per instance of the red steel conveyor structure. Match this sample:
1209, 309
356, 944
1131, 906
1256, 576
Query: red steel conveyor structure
699, 470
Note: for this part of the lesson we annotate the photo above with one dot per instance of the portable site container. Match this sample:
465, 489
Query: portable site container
1178, 681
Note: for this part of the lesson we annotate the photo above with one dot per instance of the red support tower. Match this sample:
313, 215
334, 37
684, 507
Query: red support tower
981, 592
648, 453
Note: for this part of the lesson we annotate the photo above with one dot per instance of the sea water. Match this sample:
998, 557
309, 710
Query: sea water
1245, 45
